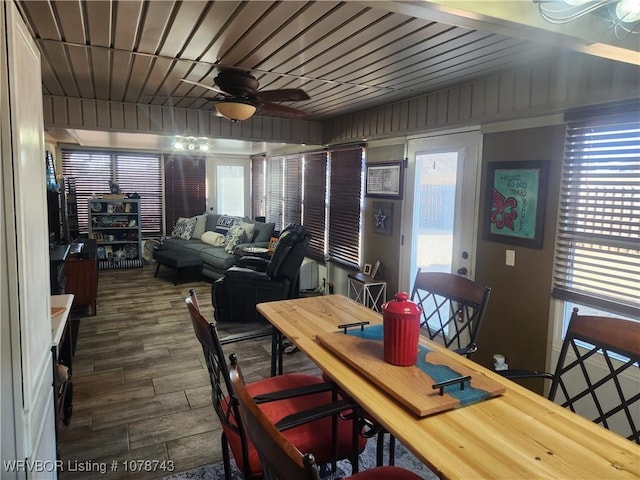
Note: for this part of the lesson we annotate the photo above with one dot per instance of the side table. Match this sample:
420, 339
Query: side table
81, 268
366, 290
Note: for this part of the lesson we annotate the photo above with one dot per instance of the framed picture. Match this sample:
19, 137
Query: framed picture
367, 269
516, 194
374, 270
384, 180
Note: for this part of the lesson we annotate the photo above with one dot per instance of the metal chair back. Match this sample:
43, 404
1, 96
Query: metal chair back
598, 373
453, 308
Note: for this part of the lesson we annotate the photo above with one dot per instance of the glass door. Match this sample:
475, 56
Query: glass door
440, 215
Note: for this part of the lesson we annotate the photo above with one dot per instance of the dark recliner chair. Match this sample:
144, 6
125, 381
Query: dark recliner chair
255, 280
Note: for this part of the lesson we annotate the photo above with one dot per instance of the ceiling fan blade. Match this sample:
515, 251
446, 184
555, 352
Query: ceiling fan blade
208, 87
283, 95
282, 110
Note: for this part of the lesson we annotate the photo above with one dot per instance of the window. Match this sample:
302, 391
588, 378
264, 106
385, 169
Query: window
275, 171
184, 190
134, 172
292, 197
323, 190
597, 260
259, 187
314, 203
345, 206
230, 189
284, 190
141, 174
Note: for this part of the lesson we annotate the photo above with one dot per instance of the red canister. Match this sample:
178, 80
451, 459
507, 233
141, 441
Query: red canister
401, 326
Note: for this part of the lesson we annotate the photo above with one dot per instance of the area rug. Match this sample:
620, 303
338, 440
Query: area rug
403, 458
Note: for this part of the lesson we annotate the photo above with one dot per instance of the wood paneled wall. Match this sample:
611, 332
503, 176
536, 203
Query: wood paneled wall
536, 89
378, 246
517, 319
65, 112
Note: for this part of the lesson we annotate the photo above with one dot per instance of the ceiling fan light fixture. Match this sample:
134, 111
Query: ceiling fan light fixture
628, 11
235, 111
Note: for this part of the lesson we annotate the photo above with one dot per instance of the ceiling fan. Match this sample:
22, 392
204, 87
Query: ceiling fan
239, 98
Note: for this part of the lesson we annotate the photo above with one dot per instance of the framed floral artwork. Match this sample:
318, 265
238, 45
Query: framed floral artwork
516, 194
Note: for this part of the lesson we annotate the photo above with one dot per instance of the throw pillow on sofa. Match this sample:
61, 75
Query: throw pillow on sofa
262, 231
201, 223
235, 236
249, 229
213, 238
184, 228
225, 222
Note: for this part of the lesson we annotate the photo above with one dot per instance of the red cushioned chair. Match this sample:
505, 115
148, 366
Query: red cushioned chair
279, 457
310, 406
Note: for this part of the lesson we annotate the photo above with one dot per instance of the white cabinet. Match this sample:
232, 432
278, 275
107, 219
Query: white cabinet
115, 225
26, 412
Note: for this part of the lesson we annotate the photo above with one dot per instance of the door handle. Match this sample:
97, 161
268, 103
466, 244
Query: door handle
462, 271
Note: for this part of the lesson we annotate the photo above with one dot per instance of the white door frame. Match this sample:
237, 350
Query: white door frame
467, 194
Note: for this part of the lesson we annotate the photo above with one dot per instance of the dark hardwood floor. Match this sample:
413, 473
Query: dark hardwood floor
141, 389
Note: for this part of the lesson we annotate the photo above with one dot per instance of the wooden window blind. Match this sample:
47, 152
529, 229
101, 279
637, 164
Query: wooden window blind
92, 172
345, 206
258, 187
185, 188
292, 197
597, 259
275, 170
134, 173
314, 203
142, 174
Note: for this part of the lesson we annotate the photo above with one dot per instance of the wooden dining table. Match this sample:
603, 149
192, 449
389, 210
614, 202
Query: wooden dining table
515, 435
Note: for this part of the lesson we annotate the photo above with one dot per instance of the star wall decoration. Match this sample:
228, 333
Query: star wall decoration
380, 218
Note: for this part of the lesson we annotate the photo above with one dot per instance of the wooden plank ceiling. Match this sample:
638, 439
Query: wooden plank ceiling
346, 55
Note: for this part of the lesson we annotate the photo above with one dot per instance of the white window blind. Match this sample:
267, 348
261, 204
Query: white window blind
597, 260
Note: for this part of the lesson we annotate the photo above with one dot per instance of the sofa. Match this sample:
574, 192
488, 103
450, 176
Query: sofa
215, 238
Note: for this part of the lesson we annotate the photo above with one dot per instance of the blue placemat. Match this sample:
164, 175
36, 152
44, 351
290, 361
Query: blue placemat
439, 373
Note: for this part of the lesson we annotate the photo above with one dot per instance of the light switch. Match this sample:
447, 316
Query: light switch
510, 258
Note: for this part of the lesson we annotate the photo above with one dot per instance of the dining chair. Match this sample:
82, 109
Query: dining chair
281, 459
453, 308
312, 408
597, 373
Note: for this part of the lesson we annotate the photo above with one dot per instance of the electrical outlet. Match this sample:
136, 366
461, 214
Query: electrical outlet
510, 258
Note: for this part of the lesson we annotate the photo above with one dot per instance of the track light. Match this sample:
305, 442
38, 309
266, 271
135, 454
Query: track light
192, 144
